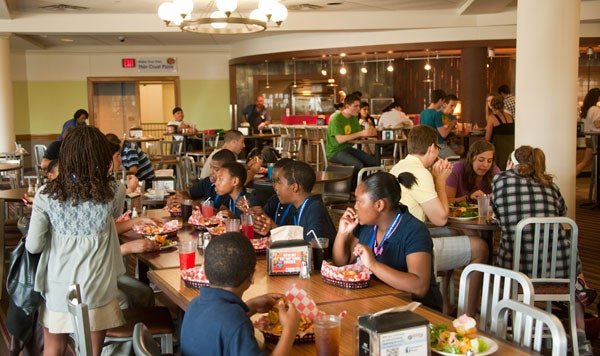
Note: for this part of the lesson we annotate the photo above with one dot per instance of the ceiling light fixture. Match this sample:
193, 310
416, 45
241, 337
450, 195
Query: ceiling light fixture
294, 63
390, 67
267, 86
323, 69
331, 81
221, 17
427, 65
363, 68
343, 69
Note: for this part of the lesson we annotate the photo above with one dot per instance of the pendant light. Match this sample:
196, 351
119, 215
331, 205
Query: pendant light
267, 86
294, 63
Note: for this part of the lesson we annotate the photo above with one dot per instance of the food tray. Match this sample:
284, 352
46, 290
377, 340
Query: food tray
346, 284
175, 214
170, 235
273, 338
200, 228
195, 284
261, 252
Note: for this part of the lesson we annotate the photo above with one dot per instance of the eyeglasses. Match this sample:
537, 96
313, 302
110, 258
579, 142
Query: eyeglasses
438, 147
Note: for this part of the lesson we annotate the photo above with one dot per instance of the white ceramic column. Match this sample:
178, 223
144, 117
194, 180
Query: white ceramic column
7, 120
546, 85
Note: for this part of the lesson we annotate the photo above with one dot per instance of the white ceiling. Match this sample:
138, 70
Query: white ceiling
102, 22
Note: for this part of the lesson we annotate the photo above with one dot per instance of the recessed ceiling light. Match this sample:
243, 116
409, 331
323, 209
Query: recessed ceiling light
342, 54
334, 3
67, 40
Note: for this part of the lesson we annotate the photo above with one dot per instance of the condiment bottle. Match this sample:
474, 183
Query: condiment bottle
134, 213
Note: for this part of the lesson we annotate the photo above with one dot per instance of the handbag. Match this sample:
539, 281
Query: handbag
20, 279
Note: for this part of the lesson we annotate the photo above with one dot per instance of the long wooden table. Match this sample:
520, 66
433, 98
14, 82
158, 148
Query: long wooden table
169, 281
329, 299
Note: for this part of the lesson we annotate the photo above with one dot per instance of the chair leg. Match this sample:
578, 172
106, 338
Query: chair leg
166, 343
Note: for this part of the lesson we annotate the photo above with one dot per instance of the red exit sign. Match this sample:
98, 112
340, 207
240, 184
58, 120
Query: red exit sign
128, 62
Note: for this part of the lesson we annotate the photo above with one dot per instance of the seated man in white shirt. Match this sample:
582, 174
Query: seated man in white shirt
427, 200
394, 118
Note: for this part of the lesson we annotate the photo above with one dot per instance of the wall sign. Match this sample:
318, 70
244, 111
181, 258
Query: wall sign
157, 64
128, 62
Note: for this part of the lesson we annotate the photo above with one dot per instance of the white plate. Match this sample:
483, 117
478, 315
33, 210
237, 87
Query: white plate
492, 347
460, 218
258, 176
173, 244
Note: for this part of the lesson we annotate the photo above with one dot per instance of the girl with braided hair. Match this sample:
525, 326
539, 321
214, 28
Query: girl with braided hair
72, 226
387, 239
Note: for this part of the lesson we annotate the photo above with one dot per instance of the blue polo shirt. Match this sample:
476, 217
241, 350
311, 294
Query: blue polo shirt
216, 323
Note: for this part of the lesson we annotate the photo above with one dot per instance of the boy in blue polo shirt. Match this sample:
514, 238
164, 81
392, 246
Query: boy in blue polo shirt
218, 321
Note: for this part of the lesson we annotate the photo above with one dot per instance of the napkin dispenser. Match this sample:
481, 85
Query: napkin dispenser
392, 333
286, 257
136, 132
387, 135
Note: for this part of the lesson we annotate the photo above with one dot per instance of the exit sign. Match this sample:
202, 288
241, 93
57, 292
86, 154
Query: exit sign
128, 62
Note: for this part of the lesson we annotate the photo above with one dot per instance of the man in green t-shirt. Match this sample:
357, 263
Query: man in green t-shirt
344, 127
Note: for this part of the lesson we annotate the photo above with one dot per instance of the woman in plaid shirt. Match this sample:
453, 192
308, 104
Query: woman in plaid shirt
526, 190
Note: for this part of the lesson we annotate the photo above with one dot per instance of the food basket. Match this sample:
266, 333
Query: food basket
273, 338
170, 229
175, 211
194, 278
355, 276
346, 284
260, 245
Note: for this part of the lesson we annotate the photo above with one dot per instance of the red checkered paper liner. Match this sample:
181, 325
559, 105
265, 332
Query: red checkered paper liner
197, 219
260, 243
340, 273
195, 274
174, 209
126, 216
168, 227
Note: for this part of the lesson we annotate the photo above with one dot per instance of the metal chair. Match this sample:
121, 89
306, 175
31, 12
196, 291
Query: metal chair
338, 192
498, 283
170, 155
531, 327
81, 321
546, 233
143, 343
315, 144
189, 171
38, 153
367, 171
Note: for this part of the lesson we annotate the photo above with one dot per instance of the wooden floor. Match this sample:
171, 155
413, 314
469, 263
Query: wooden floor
587, 219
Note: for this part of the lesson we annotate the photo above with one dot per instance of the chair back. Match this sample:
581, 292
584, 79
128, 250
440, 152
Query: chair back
529, 331
546, 235
81, 321
367, 171
171, 149
498, 283
38, 153
541, 241
143, 342
189, 171
338, 192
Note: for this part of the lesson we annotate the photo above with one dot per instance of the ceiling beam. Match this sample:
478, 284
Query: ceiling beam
32, 40
4, 11
478, 7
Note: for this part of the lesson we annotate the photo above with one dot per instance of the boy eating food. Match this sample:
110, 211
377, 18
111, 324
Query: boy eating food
217, 322
230, 182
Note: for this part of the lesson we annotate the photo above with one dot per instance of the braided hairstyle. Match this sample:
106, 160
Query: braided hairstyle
85, 161
383, 185
532, 164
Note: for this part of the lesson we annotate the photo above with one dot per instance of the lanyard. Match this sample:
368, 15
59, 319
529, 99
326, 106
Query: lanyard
233, 208
285, 213
297, 220
212, 186
378, 250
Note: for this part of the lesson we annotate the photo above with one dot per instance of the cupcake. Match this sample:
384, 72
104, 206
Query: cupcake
465, 325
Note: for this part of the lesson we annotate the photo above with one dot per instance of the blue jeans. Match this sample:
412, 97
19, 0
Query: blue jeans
353, 157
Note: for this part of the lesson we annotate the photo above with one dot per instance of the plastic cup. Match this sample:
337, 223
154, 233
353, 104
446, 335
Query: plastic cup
186, 209
483, 205
232, 225
248, 226
328, 330
207, 209
270, 170
319, 251
187, 254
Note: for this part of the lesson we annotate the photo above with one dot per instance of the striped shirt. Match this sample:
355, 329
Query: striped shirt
132, 155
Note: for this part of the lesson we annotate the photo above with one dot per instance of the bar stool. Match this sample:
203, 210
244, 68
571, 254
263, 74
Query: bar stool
315, 143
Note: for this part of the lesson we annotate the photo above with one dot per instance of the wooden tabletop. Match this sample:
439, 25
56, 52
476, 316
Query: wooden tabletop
259, 136
479, 223
12, 195
9, 167
169, 281
141, 139
376, 141
356, 308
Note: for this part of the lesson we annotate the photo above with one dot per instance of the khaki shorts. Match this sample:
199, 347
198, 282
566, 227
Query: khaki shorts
451, 252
